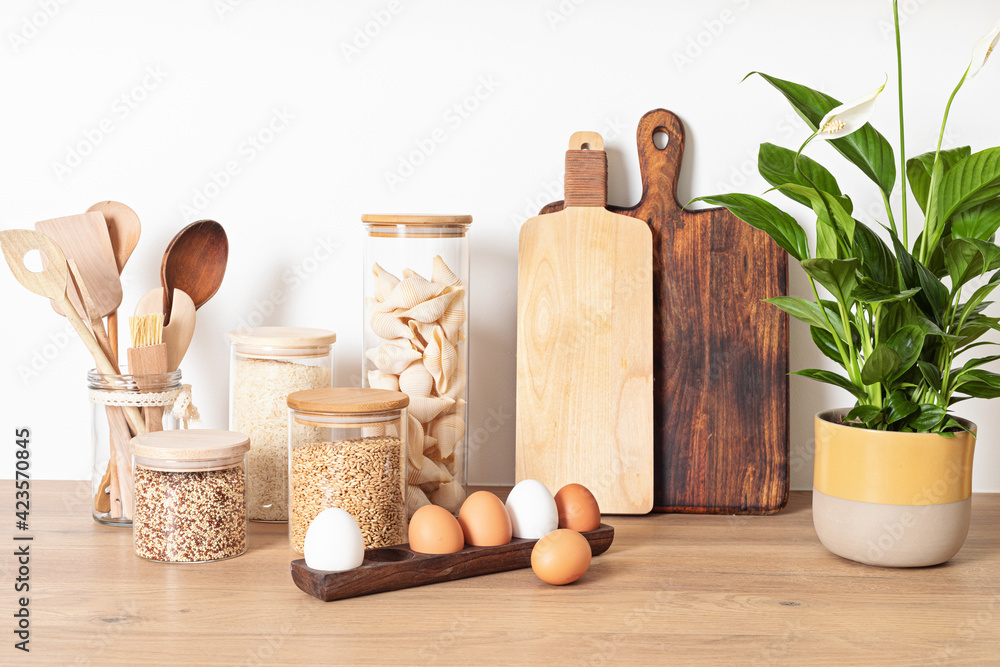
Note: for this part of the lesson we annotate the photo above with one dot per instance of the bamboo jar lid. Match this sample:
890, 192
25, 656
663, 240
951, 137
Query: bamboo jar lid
432, 226
208, 445
347, 401
284, 338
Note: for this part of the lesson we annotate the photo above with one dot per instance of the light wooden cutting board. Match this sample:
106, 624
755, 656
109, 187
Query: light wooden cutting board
585, 343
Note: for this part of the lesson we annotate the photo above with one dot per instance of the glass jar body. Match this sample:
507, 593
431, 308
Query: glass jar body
261, 378
416, 340
116, 402
356, 462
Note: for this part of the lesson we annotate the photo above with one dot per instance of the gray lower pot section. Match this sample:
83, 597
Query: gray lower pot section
891, 535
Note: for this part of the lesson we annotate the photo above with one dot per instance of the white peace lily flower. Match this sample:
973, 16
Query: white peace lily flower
982, 50
847, 118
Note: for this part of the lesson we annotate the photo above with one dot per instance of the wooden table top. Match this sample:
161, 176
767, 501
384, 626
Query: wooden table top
683, 589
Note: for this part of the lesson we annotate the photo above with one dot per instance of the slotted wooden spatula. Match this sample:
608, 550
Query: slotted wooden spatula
585, 343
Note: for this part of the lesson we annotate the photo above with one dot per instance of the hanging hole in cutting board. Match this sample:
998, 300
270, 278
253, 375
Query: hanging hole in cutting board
660, 138
585, 146
33, 261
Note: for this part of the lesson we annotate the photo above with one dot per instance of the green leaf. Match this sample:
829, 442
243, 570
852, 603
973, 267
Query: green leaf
918, 171
933, 296
828, 245
777, 165
907, 343
830, 377
765, 216
900, 406
805, 311
837, 275
825, 343
824, 205
928, 419
869, 414
972, 364
866, 149
979, 222
880, 294
967, 178
931, 374
977, 299
881, 365
877, 261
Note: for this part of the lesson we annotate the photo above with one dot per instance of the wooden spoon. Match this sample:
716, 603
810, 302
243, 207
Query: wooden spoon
177, 335
195, 262
124, 229
50, 282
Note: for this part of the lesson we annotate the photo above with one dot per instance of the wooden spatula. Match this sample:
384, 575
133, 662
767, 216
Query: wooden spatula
124, 230
585, 343
85, 239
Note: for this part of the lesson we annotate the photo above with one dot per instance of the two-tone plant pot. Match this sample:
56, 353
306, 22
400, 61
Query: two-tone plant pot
891, 499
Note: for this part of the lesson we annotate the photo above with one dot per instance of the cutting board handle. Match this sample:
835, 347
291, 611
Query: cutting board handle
660, 166
586, 170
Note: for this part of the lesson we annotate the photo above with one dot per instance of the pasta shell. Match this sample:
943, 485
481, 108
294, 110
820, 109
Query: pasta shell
430, 310
448, 431
415, 499
457, 408
384, 282
414, 444
453, 318
415, 380
388, 325
441, 359
449, 495
411, 292
431, 448
392, 359
379, 380
426, 408
373, 431
410, 273
442, 275
422, 332
376, 306
456, 387
429, 472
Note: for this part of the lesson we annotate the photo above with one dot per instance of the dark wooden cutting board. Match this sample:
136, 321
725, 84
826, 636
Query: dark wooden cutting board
720, 363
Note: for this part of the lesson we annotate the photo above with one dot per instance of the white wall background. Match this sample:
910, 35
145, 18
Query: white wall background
84, 120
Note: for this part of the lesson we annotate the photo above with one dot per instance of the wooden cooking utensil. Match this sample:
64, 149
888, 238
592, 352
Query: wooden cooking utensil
148, 356
88, 312
50, 282
194, 262
585, 343
124, 230
721, 361
396, 568
178, 334
85, 238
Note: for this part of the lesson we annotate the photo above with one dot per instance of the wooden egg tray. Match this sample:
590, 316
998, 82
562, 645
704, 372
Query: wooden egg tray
399, 567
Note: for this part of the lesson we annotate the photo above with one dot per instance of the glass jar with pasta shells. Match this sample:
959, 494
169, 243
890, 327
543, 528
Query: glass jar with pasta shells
416, 341
266, 365
347, 449
122, 406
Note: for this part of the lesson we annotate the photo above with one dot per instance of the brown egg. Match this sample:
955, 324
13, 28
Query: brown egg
484, 520
434, 530
561, 557
577, 508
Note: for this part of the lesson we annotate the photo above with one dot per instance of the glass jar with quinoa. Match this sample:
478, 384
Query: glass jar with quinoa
266, 365
190, 495
347, 449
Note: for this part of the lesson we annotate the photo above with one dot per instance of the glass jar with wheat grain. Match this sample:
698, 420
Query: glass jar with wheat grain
347, 449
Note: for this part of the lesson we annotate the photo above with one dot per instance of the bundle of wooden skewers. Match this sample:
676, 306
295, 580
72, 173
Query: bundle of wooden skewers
82, 260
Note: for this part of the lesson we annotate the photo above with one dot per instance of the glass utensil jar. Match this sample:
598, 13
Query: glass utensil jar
115, 400
416, 340
266, 365
347, 449
190, 495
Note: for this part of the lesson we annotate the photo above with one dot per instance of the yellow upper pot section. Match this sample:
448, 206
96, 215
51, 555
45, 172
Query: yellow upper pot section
891, 468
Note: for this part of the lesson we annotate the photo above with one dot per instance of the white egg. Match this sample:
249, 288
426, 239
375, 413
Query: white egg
333, 542
532, 510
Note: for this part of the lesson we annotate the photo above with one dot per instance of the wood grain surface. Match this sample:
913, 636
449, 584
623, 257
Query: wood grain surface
673, 589
721, 354
585, 345
399, 567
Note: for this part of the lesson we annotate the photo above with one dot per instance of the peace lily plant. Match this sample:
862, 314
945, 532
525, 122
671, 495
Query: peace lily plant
899, 319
